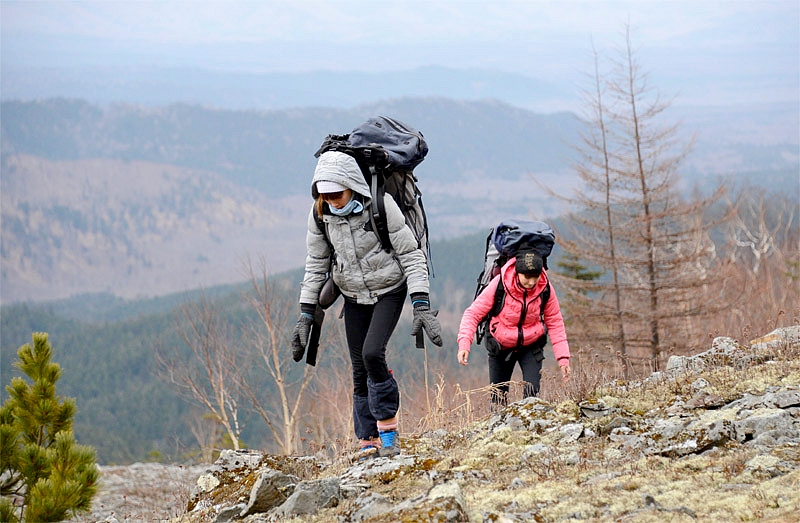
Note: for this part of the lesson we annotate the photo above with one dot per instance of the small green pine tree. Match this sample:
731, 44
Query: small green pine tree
44, 474
572, 267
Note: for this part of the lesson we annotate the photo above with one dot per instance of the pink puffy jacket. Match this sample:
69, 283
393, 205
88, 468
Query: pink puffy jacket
505, 326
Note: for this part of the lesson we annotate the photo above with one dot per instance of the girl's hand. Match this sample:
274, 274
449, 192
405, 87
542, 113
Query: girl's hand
566, 372
463, 356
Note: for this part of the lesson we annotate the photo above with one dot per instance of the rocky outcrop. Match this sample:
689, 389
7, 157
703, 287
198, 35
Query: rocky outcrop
714, 437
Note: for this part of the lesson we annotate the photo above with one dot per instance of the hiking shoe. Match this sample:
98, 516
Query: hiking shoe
365, 453
390, 444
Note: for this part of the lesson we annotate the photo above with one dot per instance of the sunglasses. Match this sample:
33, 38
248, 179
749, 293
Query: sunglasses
332, 195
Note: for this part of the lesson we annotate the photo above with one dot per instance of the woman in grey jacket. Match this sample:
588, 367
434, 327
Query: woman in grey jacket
374, 284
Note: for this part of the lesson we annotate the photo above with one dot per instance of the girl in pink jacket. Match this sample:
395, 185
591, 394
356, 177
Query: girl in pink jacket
517, 334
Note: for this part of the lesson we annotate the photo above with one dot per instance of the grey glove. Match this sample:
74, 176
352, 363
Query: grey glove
300, 334
425, 318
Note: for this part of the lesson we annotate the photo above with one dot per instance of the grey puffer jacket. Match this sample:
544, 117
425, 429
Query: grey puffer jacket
361, 268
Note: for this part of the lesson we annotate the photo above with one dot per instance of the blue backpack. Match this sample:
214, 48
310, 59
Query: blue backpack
503, 243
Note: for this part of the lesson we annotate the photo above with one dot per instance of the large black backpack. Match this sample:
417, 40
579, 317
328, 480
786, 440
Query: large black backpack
503, 243
387, 151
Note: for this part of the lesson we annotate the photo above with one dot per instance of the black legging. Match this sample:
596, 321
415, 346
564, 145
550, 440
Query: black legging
501, 367
368, 329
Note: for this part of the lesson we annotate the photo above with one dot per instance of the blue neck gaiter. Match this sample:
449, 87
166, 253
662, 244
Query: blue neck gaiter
353, 205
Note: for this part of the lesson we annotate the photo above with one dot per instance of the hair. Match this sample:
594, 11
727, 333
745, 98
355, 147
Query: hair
319, 203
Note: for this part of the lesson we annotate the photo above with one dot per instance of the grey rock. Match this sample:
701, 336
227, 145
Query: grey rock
571, 431
704, 401
371, 505
270, 490
764, 466
228, 514
594, 409
238, 459
376, 467
783, 399
666, 429
760, 421
615, 423
310, 496
777, 338
776, 437
682, 364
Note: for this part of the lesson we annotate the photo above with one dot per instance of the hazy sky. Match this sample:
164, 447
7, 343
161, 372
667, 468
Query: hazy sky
694, 39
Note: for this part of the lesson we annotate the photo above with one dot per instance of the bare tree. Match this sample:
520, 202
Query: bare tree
255, 372
761, 226
206, 434
669, 256
764, 262
207, 374
287, 404
593, 230
634, 223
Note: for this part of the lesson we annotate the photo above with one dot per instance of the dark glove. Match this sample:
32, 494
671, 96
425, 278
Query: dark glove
425, 318
301, 331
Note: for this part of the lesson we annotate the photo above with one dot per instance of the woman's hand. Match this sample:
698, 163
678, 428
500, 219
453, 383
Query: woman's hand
566, 372
463, 356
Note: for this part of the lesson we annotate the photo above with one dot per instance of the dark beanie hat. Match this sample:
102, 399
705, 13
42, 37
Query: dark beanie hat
529, 263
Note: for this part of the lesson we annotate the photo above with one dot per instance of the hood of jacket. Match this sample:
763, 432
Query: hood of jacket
335, 166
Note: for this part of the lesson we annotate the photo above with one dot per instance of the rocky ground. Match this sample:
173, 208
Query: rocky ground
142, 492
713, 438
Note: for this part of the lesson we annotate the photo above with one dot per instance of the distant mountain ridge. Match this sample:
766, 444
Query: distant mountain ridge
278, 90
144, 201
273, 150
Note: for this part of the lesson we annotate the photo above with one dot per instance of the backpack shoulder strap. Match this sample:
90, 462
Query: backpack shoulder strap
378, 213
499, 299
544, 296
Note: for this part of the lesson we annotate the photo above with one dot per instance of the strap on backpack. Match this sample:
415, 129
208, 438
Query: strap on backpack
377, 215
544, 296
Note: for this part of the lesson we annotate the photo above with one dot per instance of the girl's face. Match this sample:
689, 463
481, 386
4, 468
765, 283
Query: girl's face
527, 282
337, 200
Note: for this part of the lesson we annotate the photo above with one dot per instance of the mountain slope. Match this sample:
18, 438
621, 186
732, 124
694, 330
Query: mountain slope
144, 201
133, 228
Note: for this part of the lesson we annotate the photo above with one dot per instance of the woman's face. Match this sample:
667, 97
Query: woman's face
527, 282
337, 200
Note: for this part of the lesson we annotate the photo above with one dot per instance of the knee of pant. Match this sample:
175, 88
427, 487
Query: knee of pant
372, 356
